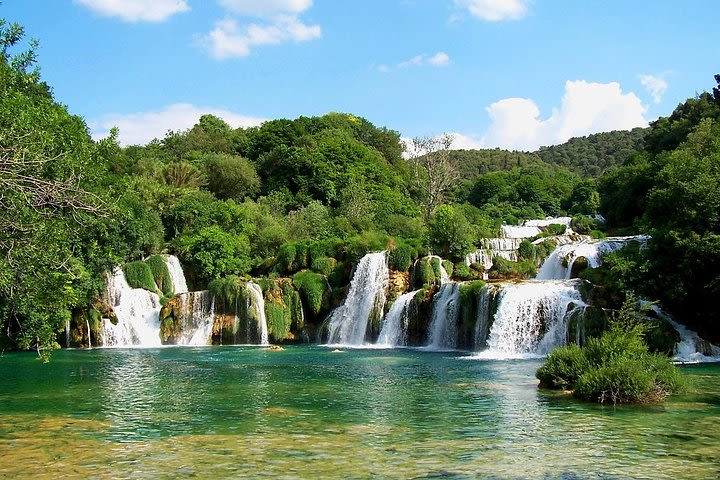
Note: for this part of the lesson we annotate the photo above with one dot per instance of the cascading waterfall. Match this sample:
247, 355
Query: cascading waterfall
531, 318
443, 329
67, 333
482, 322
512, 231
348, 324
176, 274
394, 328
691, 348
560, 262
196, 318
256, 310
138, 314
87, 324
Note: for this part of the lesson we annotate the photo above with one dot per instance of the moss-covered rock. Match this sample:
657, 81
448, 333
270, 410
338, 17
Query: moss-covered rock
324, 265
139, 275
160, 273
424, 273
313, 289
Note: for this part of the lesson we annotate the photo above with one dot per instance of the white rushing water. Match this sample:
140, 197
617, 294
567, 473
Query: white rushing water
691, 348
394, 327
512, 231
348, 323
256, 310
560, 262
546, 222
531, 319
196, 318
482, 321
176, 274
138, 314
443, 328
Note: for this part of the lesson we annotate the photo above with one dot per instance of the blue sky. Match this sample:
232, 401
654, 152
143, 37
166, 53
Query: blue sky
507, 73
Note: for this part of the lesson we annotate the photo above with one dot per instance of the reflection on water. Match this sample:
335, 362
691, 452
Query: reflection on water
242, 411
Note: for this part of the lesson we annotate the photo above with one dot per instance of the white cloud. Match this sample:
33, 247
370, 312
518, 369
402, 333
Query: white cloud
137, 10
586, 108
440, 59
655, 85
495, 10
139, 128
230, 40
266, 8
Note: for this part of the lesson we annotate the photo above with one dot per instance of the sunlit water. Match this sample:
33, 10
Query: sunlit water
308, 412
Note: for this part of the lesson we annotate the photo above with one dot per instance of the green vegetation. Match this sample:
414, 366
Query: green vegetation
160, 273
139, 275
616, 367
312, 286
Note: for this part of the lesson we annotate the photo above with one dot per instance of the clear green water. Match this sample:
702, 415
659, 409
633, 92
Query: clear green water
221, 412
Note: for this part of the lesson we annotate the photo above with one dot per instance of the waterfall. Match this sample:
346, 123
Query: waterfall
394, 328
349, 322
443, 329
444, 277
511, 231
138, 314
256, 310
482, 321
691, 348
196, 318
67, 333
559, 264
87, 324
176, 274
531, 318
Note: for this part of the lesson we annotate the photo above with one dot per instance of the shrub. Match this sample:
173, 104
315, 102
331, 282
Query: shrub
616, 367
278, 317
463, 272
583, 224
506, 269
449, 267
469, 292
556, 228
401, 257
160, 273
562, 368
139, 275
424, 273
285, 260
324, 265
526, 250
312, 286
597, 234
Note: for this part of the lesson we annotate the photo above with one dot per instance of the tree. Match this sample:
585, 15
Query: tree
231, 176
433, 171
450, 234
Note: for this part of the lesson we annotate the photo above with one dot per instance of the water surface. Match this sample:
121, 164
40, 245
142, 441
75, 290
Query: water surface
308, 412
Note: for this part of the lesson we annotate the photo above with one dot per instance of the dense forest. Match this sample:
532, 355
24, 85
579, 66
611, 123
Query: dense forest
306, 198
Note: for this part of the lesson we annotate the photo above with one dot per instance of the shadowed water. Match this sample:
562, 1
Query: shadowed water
309, 412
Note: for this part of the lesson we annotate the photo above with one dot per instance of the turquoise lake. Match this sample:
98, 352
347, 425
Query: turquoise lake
308, 412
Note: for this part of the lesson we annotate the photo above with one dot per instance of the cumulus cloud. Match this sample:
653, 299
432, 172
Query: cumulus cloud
440, 59
137, 10
266, 8
586, 108
655, 85
279, 23
229, 40
140, 128
495, 10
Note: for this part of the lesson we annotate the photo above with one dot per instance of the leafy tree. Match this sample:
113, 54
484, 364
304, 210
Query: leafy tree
231, 177
450, 234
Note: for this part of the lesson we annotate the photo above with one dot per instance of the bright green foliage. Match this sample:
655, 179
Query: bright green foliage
505, 269
231, 176
583, 224
312, 286
449, 267
556, 229
463, 272
526, 250
160, 273
469, 292
183, 175
450, 234
139, 275
230, 291
279, 319
401, 257
425, 273
617, 367
324, 265
212, 253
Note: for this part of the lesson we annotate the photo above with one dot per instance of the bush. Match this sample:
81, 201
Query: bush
583, 224
526, 250
616, 367
312, 286
449, 267
160, 273
324, 265
278, 317
562, 368
469, 293
463, 272
597, 234
139, 275
506, 269
285, 260
556, 228
424, 273
401, 257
